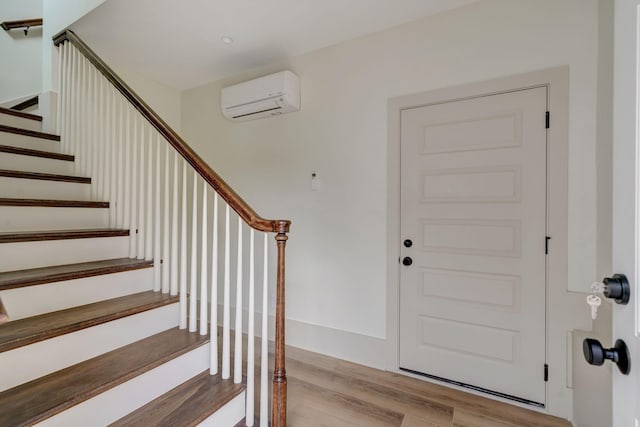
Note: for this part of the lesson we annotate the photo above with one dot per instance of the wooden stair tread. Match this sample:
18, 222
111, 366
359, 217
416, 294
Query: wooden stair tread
37, 276
26, 132
44, 176
52, 203
46, 396
29, 102
44, 326
16, 113
36, 153
33, 236
186, 405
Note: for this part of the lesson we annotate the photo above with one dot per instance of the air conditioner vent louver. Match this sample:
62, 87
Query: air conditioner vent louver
266, 96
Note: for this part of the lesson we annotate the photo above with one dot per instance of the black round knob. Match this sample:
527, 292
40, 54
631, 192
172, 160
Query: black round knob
408, 243
407, 261
595, 354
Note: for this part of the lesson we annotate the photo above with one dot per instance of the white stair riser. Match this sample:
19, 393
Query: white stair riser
229, 415
33, 300
20, 122
23, 255
42, 189
37, 218
32, 142
44, 357
121, 400
19, 162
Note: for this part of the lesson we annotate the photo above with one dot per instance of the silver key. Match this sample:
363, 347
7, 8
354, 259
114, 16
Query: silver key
594, 302
597, 287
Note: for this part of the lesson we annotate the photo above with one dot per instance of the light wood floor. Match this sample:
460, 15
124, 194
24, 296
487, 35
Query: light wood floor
323, 391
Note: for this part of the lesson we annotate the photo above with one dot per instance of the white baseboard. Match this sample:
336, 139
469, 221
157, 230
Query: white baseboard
357, 348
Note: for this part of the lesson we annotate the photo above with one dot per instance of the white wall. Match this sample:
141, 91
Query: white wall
62, 14
336, 269
165, 100
21, 71
58, 15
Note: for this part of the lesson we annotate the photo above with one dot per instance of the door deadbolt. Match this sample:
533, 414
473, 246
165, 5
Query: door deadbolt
408, 243
617, 288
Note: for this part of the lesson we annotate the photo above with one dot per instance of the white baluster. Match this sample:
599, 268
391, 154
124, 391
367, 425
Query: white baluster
204, 313
157, 247
193, 291
148, 247
183, 251
174, 230
66, 100
165, 229
123, 165
112, 168
59, 76
264, 342
133, 200
105, 143
250, 336
141, 199
213, 366
94, 133
108, 152
81, 138
226, 313
76, 119
237, 366
127, 176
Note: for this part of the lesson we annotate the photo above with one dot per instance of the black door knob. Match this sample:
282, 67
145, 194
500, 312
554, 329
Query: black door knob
617, 288
595, 354
408, 243
407, 261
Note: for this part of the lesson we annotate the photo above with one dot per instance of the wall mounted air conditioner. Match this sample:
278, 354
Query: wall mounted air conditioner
265, 96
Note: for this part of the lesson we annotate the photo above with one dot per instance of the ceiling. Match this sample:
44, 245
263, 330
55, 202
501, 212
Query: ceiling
178, 43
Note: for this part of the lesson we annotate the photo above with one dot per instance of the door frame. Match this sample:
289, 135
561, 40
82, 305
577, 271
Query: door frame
565, 310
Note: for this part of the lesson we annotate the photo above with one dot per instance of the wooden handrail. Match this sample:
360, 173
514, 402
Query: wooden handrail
204, 170
21, 23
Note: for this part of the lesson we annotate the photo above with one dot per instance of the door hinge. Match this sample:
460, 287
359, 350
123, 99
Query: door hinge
546, 372
546, 245
547, 118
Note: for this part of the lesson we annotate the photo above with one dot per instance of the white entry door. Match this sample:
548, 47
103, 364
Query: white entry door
473, 229
626, 213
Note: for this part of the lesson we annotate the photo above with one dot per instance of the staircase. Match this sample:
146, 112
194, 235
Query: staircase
88, 341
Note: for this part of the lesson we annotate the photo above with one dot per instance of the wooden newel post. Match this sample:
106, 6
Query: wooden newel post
279, 402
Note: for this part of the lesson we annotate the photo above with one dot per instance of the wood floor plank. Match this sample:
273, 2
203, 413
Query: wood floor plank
58, 273
44, 397
471, 403
37, 328
34, 236
186, 405
342, 405
370, 392
463, 418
